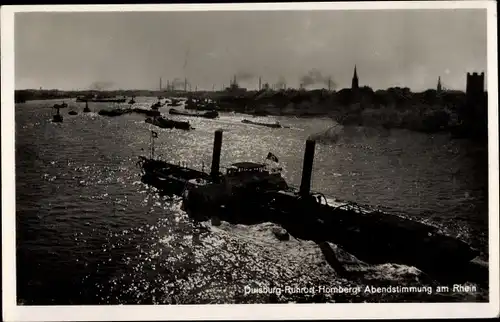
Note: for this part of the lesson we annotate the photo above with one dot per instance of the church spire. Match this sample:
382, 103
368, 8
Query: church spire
439, 86
355, 81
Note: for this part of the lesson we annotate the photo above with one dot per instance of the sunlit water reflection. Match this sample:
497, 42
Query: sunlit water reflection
88, 231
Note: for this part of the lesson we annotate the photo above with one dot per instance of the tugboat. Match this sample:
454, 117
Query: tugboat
168, 124
247, 195
86, 109
57, 118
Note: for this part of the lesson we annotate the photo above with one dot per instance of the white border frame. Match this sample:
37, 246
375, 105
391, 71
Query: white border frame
12, 312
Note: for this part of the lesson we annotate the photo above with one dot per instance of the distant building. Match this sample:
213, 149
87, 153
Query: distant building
235, 88
474, 113
355, 80
474, 87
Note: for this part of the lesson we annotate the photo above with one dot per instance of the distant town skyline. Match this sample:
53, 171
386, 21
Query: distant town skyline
132, 50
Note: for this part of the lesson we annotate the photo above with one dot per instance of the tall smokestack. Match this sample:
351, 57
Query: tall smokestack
168, 85
185, 84
260, 83
329, 84
305, 184
214, 173
160, 83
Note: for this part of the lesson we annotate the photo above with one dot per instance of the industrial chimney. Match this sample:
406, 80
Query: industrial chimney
214, 173
305, 184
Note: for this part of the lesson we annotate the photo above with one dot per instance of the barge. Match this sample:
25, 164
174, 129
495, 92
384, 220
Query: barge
165, 123
276, 125
208, 114
251, 193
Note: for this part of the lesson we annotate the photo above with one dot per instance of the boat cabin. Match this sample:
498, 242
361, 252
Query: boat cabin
253, 176
246, 167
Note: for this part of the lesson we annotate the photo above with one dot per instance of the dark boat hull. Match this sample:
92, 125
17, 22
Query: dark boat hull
274, 126
57, 119
209, 114
372, 236
168, 124
114, 112
167, 177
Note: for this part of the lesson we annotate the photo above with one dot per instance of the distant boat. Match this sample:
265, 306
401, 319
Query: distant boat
132, 101
57, 118
276, 125
58, 106
114, 112
101, 99
73, 113
157, 105
86, 109
208, 114
168, 124
109, 100
175, 102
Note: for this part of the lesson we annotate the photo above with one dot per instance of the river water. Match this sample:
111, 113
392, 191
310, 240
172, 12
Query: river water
89, 232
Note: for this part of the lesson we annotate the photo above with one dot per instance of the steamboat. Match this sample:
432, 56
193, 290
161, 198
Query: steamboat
252, 193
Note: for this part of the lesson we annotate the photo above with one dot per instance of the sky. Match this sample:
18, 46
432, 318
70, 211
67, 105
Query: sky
132, 50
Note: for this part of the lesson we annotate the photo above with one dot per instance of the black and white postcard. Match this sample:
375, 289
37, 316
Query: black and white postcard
250, 161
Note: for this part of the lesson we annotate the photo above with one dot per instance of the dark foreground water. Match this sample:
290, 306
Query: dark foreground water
89, 232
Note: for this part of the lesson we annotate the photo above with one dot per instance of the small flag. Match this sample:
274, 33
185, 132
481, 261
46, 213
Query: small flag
154, 134
272, 157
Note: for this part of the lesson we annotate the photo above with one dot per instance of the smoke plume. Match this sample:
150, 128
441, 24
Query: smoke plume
177, 84
186, 58
314, 77
244, 76
281, 83
101, 85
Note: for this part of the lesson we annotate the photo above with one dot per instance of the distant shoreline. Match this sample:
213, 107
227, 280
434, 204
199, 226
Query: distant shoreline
427, 112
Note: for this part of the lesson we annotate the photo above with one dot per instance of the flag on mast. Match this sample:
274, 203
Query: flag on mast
272, 157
